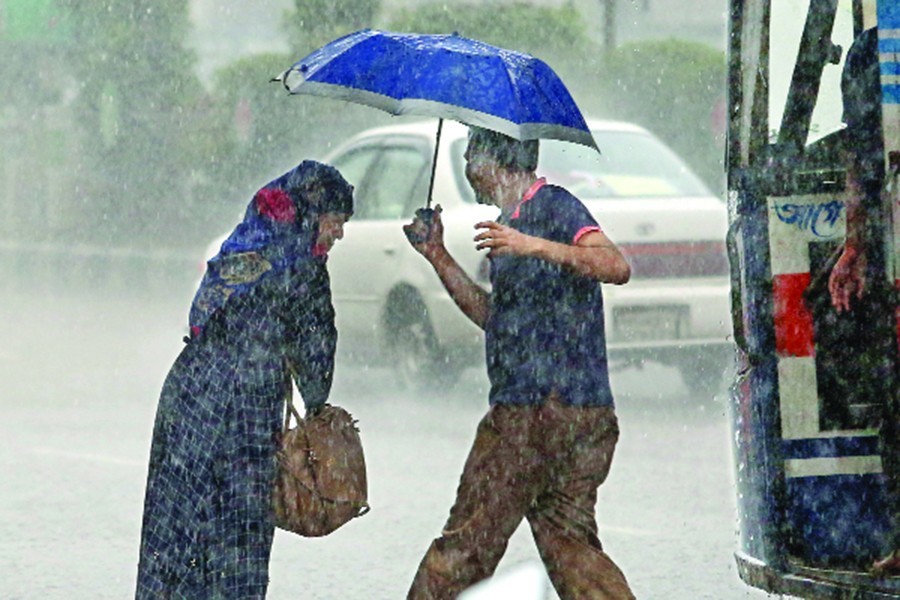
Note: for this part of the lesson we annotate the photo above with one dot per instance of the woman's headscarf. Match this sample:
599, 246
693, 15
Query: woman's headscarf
279, 228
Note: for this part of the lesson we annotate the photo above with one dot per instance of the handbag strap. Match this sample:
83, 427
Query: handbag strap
290, 409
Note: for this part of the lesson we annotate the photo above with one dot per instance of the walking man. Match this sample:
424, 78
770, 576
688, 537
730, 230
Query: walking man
547, 441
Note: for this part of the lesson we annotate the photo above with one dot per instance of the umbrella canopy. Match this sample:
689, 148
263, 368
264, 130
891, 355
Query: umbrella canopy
443, 76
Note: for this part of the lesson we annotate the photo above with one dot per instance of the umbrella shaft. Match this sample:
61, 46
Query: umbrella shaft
437, 144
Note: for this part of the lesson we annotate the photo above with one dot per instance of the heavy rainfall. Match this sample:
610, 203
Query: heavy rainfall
133, 134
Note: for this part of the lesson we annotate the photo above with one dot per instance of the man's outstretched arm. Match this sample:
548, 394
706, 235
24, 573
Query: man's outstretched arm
594, 256
471, 298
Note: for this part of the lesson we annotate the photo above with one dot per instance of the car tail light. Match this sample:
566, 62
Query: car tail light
676, 259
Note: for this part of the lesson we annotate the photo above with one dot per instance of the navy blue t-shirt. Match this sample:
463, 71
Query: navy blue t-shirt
545, 331
861, 94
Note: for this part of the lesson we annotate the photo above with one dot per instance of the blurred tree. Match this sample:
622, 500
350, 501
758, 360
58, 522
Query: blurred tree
254, 127
556, 35
519, 26
36, 33
261, 131
314, 23
137, 102
258, 130
676, 89
36, 134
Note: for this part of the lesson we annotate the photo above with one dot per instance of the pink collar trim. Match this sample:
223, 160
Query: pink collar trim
529, 194
319, 250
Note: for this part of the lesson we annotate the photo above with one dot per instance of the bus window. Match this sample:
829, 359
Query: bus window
786, 30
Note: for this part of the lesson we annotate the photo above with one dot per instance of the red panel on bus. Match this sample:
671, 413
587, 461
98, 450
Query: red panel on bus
793, 322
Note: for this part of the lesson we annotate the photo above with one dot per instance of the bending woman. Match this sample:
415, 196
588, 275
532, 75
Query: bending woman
264, 301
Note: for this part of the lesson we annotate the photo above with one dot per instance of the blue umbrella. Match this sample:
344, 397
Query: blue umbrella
443, 76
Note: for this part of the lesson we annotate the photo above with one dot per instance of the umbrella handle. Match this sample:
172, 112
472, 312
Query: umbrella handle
437, 144
426, 215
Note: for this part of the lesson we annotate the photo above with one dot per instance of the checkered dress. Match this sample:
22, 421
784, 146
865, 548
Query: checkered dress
207, 527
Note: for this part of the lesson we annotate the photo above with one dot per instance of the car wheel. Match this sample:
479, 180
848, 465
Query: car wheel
417, 359
705, 375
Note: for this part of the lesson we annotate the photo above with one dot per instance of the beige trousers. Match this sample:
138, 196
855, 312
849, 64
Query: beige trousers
544, 464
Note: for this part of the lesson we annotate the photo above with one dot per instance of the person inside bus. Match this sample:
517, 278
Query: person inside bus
857, 282
861, 91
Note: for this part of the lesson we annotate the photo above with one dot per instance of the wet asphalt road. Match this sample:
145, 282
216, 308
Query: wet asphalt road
80, 378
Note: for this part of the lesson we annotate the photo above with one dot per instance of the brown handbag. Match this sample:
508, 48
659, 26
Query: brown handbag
321, 479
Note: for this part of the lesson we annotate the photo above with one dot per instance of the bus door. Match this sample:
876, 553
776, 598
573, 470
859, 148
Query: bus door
814, 382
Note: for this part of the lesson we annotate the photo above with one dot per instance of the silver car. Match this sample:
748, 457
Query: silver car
391, 307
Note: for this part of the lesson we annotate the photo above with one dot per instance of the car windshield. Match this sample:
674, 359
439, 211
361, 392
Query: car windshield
631, 164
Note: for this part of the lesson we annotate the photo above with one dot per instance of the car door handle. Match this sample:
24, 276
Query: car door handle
390, 250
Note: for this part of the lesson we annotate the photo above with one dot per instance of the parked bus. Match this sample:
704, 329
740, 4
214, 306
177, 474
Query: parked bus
814, 401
